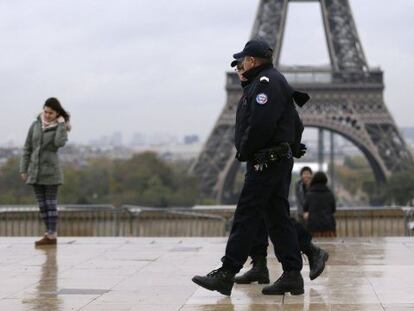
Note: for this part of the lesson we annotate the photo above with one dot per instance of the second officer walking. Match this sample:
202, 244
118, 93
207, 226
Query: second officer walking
265, 125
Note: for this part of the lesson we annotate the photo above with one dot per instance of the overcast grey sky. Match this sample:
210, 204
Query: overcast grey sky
158, 66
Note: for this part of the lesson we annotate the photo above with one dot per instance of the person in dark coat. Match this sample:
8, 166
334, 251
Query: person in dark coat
320, 208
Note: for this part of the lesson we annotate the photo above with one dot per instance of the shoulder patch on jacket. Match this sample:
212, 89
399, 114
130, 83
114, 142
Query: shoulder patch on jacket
264, 79
261, 99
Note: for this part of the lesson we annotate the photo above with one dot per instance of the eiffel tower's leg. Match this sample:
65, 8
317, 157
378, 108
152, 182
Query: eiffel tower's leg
215, 165
381, 138
270, 24
218, 153
344, 46
359, 114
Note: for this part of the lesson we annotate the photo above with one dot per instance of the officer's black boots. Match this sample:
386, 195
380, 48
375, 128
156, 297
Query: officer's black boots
317, 258
220, 280
258, 273
289, 282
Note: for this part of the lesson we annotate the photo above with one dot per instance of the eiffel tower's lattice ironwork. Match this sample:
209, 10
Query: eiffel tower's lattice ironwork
347, 98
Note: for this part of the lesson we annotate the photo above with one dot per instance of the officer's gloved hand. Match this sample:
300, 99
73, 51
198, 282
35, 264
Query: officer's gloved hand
299, 150
261, 158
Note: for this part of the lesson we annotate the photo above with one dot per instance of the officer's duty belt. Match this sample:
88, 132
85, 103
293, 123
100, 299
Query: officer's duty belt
266, 156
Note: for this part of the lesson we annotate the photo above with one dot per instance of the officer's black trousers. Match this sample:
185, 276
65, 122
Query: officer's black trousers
264, 197
260, 242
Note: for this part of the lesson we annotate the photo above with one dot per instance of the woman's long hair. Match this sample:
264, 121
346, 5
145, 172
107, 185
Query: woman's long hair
319, 178
54, 104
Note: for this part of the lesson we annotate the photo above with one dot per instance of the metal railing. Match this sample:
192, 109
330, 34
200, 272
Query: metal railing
173, 222
198, 221
74, 220
352, 221
107, 220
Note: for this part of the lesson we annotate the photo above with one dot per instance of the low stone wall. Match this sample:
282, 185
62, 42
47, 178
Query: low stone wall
350, 222
111, 221
199, 221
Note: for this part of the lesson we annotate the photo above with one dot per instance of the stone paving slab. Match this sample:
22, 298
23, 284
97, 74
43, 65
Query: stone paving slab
114, 274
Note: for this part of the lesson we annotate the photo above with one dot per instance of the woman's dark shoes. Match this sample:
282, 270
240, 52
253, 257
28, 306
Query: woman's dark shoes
45, 241
258, 273
220, 280
289, 282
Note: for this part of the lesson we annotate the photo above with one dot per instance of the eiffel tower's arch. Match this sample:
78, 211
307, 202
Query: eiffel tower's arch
225, 189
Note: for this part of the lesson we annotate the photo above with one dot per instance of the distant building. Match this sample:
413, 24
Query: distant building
161, 139
138, 139
116, 139
191, 139
7, 153
108, 141
408, 133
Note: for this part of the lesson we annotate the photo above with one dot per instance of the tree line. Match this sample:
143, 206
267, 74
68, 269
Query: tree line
144, 179
147, 180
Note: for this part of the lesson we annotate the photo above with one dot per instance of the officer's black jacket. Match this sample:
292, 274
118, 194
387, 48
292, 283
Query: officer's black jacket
264, 125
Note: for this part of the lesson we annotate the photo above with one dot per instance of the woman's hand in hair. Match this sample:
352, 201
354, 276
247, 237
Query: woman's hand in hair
61, 119
23, 176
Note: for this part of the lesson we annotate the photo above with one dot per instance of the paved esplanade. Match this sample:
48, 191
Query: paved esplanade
155, 274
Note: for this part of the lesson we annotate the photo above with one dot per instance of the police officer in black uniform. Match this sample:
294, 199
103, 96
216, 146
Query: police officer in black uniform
317, 256
265, 121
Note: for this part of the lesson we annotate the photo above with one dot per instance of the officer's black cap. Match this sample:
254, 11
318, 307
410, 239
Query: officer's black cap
255, 48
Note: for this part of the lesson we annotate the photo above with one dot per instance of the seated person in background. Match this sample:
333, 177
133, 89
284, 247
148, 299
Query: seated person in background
301, 187
320, 207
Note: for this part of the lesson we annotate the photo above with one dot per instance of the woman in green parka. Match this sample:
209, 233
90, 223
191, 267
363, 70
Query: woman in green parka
40, 166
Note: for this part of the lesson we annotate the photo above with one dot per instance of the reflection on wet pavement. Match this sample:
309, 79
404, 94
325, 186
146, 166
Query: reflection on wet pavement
155, 274
45, 295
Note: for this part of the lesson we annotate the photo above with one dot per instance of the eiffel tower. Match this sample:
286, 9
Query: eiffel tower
347, 99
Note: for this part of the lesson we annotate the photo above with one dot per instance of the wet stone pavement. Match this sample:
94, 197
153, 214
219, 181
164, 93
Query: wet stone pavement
99, 274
